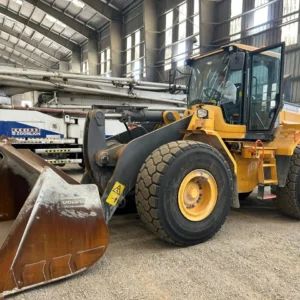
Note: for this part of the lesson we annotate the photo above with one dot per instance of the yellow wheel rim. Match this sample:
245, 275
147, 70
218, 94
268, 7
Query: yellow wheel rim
197, 195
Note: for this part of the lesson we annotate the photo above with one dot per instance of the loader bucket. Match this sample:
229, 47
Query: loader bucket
51, 227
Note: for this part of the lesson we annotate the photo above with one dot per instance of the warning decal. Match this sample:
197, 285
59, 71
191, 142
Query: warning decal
115, 194
117, 190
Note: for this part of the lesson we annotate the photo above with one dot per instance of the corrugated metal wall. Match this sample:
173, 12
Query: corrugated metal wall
103, 39
84, 53
292, 66
221, 30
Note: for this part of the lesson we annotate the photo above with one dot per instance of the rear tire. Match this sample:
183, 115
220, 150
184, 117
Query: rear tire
288, 197
158, 191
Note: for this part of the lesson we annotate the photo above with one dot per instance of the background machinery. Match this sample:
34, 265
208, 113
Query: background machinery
54, 134
54, 127
186, 170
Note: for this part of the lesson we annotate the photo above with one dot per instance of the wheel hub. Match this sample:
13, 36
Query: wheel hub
197, 195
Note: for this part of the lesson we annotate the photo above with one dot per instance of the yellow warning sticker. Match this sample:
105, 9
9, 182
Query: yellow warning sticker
115, 194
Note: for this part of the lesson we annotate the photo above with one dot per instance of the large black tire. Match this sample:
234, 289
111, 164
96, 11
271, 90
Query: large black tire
158, 186
288, 197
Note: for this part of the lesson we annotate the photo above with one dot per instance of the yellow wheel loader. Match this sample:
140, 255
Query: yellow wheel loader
185, 171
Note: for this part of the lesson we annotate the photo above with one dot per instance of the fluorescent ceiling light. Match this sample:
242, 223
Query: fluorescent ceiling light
77, 3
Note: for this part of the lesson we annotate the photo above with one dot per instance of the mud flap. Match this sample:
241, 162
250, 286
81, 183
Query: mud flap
235, 198
58, 231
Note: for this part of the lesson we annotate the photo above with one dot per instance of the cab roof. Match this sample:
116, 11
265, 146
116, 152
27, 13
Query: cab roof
239, 46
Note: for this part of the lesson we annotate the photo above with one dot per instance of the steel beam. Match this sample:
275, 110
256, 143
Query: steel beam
18, 59
75, 63
104, 9
151, 41
69, 21
116, 48
52, 53
4, 60
46, 63
46, 32
92, 48
207, 16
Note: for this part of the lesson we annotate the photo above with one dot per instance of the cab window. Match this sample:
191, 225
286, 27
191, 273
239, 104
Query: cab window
212, 82
265, 88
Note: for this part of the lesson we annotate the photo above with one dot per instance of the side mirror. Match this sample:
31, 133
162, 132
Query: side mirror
188, 62
236, 61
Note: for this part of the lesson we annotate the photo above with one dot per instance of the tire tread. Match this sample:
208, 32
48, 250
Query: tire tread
161, 158
287, 200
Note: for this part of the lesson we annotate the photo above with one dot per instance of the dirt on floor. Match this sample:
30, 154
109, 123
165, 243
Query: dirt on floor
254, 256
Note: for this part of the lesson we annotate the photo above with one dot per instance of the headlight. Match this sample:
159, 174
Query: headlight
202, 113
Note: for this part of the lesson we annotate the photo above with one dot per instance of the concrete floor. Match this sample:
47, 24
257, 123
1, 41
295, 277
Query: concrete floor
254, 256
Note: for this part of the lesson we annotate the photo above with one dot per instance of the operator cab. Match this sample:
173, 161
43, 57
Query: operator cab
244, 81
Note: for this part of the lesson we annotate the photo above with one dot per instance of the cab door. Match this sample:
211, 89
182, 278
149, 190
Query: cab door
264, 91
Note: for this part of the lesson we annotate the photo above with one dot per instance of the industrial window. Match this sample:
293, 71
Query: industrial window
137, 54
261, 15
196, 27
181, 47
144, 63
128, 55
85, 67
105, 62
236, 24
134, 59
289, 32
168, 40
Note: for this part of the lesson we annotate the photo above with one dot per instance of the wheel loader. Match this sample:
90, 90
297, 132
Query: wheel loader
184, 171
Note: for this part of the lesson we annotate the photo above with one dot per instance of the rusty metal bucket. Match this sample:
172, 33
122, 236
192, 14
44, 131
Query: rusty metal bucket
51, 227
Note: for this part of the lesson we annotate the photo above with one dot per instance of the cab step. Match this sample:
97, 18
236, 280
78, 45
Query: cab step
267, 172
261, 193
269, 196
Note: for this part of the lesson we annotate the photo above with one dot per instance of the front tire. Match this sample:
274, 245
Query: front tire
288, 197
168, 199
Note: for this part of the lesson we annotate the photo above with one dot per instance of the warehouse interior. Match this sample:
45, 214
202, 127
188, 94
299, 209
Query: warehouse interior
116, 143
142, 39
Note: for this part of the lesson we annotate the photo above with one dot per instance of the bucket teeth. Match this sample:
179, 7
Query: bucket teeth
58, 231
